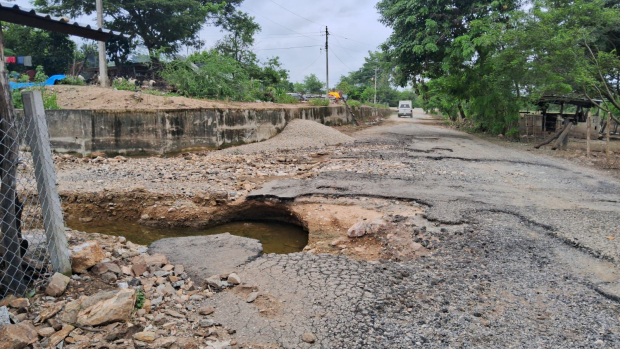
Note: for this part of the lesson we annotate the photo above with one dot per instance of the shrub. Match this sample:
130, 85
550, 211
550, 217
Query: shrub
319, 102
72, 80
124, 85
286, 99
354, 104
50, 99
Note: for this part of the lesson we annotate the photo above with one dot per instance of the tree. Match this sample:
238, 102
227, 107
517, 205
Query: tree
162, 26
237, 44
312, 84
53, 51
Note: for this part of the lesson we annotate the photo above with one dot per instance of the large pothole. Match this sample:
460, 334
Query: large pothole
278, 230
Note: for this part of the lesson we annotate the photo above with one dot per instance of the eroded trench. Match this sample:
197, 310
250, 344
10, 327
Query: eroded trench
311, 224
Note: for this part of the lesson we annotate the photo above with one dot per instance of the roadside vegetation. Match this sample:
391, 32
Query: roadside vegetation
487, 60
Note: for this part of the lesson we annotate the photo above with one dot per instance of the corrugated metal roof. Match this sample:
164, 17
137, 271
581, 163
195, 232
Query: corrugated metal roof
15, 14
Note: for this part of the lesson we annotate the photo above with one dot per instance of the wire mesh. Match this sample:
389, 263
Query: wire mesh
25, 259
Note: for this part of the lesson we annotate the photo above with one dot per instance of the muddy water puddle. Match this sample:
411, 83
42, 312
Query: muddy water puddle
276, 237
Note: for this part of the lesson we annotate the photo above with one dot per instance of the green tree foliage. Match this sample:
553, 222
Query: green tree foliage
313, 84
485, 60
162, 26
208, 75
238, 41
52, 51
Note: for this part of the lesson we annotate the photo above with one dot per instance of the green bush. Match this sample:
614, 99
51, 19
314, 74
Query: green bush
50, 99
124, 85
354, 104
319, 102
72, 80
286, 99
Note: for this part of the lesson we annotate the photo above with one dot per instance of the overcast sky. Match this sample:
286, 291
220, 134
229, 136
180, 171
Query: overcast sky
354, 24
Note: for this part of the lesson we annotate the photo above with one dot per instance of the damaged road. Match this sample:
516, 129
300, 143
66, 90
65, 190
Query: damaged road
525, 252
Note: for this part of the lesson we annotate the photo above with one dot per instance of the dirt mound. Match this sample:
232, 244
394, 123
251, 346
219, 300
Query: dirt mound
298, 134
92, 97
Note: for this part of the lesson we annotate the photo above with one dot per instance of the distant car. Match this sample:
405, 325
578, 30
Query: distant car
404, 109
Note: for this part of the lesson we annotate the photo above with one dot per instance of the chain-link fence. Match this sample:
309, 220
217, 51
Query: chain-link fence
33, 243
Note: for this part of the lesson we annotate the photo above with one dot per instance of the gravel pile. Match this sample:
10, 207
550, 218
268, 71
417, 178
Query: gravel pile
298, 134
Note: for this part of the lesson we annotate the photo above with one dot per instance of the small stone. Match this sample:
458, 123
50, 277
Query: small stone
85, 256
45, 331
146, 336
19, 303
60, 335
109, 277
144, 217
5, 318
234, 279
175, 314
164, 342
206, 311
357, 230
252, 297
214, 281
58, 285
56, 325
308, 338
51, 311
179, 269
17, 336
126, 270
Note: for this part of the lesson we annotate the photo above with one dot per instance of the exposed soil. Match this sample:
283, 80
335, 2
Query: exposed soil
97, 98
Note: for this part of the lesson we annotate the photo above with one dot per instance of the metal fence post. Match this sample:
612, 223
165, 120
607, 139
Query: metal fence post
38, 139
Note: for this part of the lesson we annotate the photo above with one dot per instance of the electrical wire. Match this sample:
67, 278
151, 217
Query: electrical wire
284, 48
345, 49
287, 28
310, 66
334, 52
363, 43
298, 15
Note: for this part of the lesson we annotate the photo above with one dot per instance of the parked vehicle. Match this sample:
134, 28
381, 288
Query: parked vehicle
405, 109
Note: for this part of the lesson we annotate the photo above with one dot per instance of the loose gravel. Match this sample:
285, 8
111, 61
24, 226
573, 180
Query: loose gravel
298, 134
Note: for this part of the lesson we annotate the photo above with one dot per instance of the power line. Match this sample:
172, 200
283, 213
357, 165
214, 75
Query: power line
310, 66
341, 61
287, 28
345, 49
298, 15
363, 43
284, 48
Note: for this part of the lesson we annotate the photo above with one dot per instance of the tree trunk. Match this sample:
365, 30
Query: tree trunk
461, 113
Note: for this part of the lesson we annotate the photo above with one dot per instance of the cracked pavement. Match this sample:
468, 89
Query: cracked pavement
535, 266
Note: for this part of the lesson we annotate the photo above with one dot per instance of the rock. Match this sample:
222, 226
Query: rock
60, 335
155, 259
126, 270
203, 256
57, 325
103, 268
252, 297
214, 281
145, 217
175, 314
179, 269
45, 331
5, 318
308, 338
17, 336
51, 311
101, 308
58, 285
85, 256
109, 277
206, 310
19, 303
234, 279
164, 342
357, 230
146, 336
138, 268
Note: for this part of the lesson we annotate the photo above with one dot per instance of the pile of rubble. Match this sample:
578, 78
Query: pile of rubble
119, 296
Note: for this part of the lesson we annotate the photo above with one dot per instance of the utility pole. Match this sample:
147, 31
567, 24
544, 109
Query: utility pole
376, 85
327, 62
103, 65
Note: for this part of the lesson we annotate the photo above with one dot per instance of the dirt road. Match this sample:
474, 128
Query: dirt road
526, 252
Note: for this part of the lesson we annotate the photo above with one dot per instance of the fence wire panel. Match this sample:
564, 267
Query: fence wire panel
25, 259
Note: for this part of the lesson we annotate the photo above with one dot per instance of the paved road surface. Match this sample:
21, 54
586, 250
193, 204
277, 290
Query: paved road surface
536, 266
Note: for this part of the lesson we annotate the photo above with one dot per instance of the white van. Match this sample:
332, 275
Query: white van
404, 109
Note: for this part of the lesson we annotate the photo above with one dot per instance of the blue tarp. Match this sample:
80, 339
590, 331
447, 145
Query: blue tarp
49, 82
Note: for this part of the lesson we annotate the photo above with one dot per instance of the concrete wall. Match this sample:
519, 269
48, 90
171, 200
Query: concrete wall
165, 131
